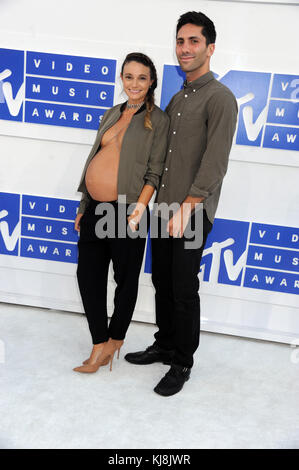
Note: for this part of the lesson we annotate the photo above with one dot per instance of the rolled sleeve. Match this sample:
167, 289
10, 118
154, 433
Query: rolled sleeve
83, 203
222, 118
158, 153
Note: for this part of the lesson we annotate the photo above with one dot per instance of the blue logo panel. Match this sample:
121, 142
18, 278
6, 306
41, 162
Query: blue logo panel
283, 112
48, 228
61, 115
72, 92
223, 256
11, 84
10, 226
68, 66
49, 250
275, 235
49, 207
272, 280
285, 87
281, 137
274, 258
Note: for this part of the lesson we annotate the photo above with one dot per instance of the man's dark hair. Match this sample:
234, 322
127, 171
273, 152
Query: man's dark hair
199, 19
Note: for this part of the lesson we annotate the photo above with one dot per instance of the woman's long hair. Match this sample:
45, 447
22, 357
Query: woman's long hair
149, 99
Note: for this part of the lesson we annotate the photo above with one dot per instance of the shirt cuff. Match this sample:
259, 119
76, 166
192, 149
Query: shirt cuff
82, 206
150, 183
195, 192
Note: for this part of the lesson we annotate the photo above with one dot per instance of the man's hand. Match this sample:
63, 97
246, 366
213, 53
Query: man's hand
178, 223
77, 222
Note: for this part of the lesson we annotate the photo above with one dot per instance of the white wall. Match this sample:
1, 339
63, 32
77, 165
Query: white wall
261, 184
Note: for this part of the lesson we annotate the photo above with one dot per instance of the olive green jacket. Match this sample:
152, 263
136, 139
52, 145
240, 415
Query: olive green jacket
142, 154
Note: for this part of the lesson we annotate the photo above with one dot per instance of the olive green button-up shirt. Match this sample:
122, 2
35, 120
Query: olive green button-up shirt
203, 119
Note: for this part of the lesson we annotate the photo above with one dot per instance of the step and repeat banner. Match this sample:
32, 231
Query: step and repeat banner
69, 91
238, 253
250, 266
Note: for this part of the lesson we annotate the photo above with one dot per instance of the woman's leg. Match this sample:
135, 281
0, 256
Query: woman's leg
127, 256
92, 273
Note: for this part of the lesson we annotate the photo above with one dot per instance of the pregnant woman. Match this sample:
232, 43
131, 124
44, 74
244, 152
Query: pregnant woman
126, 160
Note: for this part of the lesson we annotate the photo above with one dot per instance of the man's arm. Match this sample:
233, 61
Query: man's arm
222, 118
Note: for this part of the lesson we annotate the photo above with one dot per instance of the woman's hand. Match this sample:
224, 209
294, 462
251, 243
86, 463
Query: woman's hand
134, 220
77, 222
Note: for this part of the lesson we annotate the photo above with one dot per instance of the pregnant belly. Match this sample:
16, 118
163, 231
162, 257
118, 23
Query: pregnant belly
101, 177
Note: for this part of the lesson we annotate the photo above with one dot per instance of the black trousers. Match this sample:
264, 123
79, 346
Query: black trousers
175, 271
94, 258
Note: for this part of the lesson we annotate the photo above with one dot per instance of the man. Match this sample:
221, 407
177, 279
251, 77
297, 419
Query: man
202, 124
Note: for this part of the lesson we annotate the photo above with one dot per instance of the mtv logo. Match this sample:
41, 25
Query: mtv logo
224, 256
12, 87
10, 225
251, 90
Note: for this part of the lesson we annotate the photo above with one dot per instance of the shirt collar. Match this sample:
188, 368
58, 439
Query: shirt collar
199, 82
142, 108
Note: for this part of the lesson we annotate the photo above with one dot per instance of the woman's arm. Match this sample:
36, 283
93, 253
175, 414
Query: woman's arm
83, 204
154, 169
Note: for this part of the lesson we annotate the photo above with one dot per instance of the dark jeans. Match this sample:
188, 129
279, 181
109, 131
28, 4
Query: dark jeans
175, 271
95, 255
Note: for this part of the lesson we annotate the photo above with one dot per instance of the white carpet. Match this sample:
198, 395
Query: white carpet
242, 393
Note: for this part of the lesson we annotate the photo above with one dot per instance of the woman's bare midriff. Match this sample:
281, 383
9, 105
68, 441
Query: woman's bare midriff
102, 172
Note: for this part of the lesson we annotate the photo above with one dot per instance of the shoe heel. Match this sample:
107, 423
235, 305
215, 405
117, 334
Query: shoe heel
111, 359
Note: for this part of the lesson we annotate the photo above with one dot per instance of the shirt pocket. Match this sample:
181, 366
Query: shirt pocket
193, 124
193, 142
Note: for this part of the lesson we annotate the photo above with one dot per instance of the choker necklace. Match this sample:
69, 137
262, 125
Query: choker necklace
135, 106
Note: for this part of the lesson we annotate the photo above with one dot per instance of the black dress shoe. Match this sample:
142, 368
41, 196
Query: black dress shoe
152, 354
173, 381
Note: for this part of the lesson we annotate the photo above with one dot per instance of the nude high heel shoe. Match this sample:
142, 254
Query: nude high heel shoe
104, 358
89, 366
109, 350
118, 344
87, 360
